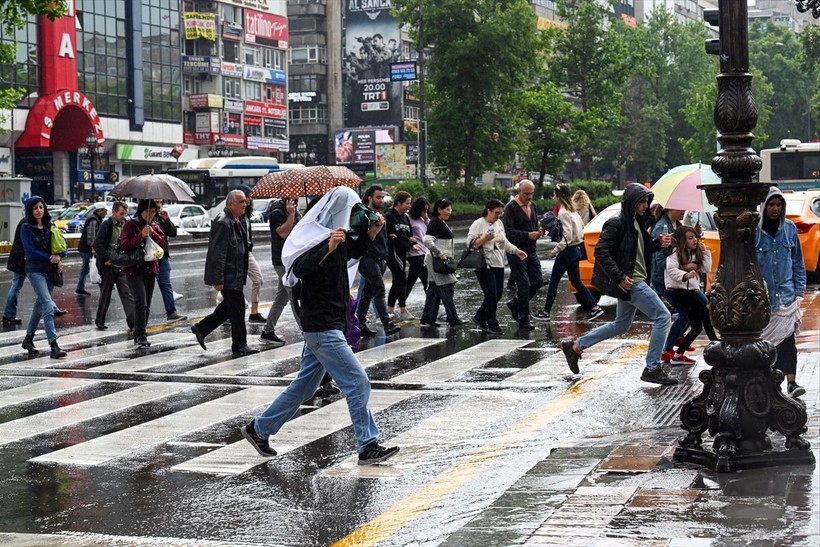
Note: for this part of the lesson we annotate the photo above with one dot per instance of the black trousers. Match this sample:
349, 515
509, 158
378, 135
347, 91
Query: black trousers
372, 270
232, 307
698, 318
115, 277
415, 271
786, 356
398, 290
142, 289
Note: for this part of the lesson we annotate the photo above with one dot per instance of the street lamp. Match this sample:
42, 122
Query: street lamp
303, 155
92, 151
220, 149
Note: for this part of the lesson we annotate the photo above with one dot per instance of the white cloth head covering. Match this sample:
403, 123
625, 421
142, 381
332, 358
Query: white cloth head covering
331, 212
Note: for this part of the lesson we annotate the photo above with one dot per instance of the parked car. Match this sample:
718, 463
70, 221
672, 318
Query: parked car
69, 213
77, 224
803, 208
188, 215
260, 206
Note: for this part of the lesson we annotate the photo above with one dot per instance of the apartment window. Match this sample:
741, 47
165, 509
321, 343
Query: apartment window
308, 114
192, 85
273, 58
230, 51
411, 112
233, 87
307, 55
307, 82
253, 91
252, 55
231, 13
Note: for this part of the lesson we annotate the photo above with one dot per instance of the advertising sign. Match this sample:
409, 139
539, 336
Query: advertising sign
205, 100
200, 25
358, 146
234, 105
266, 75
391, 162
232, 69
372, 43
266, 29
153, 154
267, 110
401, 72
303, 97
201, 64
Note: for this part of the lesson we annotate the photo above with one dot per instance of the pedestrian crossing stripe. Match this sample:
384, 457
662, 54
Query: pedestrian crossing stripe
451, 366
40, 389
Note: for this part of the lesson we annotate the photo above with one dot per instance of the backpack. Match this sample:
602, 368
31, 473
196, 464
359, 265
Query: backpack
552, 226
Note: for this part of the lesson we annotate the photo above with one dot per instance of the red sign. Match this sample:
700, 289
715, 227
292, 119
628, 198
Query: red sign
266, 110
233, 141
177, 150
266, 29
57, 51
73, 107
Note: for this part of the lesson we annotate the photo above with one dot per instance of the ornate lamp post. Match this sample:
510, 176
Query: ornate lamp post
303, 155
741, 399
220, 150
91, 151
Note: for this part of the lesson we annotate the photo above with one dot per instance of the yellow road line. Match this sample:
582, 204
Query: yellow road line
467, 467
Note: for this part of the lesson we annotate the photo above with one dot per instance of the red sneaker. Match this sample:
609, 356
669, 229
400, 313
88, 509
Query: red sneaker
682, 360
667, 355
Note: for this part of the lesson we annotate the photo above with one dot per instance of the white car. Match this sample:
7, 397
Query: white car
187, 215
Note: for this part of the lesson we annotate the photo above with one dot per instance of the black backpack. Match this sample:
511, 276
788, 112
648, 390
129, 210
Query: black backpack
552, 226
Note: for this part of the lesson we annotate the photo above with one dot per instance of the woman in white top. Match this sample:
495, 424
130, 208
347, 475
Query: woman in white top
487, 233
567, 255
440, 286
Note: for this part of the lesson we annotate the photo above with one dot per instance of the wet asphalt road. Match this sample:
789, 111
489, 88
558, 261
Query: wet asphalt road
122, 444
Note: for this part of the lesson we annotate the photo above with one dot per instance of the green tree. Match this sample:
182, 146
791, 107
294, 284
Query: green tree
483, 54
13, 17
588, 60
548, 115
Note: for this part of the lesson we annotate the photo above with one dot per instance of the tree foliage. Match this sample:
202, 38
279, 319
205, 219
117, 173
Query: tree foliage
484, 54
13, 16
548, 117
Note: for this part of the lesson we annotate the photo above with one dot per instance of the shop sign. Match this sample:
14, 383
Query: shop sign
201, 64
267, 143
266, 110
153, 154
261, 5
231, 30
200, 25
234, 105
302, 97
200, 137
206, 121
207, 100
403, 72
266, 75
231, 69
233, 141
266, 29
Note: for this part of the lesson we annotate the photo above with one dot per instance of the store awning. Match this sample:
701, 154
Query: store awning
60, 122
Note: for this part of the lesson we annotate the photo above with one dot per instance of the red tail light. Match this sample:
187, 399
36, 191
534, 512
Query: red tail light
804, 227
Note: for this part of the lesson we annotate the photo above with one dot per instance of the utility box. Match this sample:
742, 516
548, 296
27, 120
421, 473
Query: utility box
13, 190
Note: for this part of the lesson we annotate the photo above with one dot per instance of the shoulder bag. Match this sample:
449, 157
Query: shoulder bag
58, 244
444, 265
126, 259
473, 258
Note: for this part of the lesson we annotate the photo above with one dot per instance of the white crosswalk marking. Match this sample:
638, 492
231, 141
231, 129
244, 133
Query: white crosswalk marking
403, 346
41, 389
92, 408
459, 363
249, 363
115, 445
239, 457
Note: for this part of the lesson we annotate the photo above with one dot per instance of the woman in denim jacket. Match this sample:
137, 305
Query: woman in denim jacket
781, 265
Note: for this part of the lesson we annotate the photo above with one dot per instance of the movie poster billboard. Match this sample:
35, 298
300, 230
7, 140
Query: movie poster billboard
358, 146
372, 42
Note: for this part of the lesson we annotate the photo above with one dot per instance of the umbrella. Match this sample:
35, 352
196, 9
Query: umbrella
153, 186
307, 181
678, 188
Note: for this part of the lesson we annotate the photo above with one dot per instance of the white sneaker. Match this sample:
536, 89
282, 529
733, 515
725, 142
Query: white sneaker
177, 296
405, 316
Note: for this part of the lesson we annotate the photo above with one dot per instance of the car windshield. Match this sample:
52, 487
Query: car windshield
172, 209
70, 214
259, 205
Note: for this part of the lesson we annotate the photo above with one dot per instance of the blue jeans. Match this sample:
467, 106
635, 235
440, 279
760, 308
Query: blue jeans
43, 305
567, 261
86, 265
17, 281
164, 282
643, 298
327, 350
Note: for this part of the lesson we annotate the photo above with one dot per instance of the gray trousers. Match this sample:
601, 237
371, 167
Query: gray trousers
280, 299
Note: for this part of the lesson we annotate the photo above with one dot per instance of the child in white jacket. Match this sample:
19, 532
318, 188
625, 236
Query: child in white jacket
682, 275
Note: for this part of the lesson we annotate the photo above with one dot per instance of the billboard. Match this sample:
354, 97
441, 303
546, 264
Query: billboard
392, 162
358, 146
372, 42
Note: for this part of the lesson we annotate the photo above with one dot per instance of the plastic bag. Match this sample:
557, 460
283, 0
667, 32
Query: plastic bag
93, 273
152, 250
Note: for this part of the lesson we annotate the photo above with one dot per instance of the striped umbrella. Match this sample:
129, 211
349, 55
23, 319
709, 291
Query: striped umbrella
678, 188
308, 181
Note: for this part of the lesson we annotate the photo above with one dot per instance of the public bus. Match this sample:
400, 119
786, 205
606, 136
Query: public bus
212, 178
793, 166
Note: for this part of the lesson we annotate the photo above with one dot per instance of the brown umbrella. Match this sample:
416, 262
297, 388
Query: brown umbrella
307, 181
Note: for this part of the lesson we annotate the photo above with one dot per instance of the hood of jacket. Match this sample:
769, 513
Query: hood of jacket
633, 194
30, 203
774, 191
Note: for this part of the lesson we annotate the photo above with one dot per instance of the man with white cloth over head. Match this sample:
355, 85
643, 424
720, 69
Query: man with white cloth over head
317, 252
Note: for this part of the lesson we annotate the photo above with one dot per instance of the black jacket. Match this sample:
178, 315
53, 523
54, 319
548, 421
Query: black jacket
227, 260
617, 247
323, 301
398, 225
517, 225
17, 255
84, 246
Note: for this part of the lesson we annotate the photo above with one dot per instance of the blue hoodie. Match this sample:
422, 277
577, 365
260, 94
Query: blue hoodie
37, 241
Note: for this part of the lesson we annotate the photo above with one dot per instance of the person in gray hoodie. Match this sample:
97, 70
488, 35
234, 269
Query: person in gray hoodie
781, 264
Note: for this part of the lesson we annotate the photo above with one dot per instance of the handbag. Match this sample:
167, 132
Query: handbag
473, 258
58, 244
152, 251
126, 259
56, 276
444, 265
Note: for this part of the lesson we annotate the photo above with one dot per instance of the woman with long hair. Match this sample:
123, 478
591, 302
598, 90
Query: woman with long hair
584, 208
35, 234
142, 277
682, 276
415, 257
399, 242
567, 255
487, 233
440, 286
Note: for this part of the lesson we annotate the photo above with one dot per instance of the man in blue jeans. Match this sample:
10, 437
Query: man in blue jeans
623, 262
164, 279
316, 253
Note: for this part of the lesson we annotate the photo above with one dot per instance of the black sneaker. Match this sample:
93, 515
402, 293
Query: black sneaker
795, 390
365, 330
596, 312
271, 338
376, 453
257, 318
199, 337
657, 376
525, 325
541, 315
571, 355
458, 323
326, 390
391, 328
480, 323
259, 444
494, 329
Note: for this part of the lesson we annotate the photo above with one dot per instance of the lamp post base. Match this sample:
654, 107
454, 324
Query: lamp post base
706, 457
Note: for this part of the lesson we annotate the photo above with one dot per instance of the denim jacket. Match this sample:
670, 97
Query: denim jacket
781, 262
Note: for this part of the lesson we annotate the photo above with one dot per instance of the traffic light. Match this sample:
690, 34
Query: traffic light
712, 16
